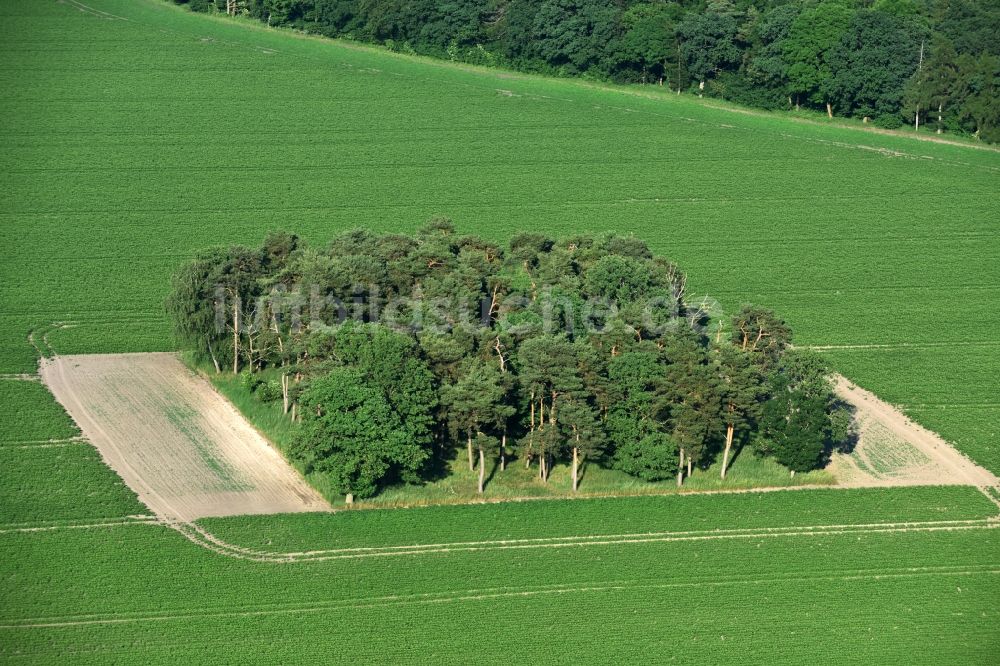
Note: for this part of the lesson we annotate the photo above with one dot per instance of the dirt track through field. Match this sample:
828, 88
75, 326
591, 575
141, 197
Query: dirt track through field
196, 534
892, 450
177, 443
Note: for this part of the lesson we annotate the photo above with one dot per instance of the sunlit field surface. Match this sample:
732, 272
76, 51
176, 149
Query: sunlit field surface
135, 133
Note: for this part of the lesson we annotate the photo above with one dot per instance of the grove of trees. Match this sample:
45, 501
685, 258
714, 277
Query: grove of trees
933, 63
394, 354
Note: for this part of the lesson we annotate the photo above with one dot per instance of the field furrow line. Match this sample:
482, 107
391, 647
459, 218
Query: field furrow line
42, 443
87, 9
826, 198
907, 345
145, 520
205, 539
485, 595
20, 377
949, 405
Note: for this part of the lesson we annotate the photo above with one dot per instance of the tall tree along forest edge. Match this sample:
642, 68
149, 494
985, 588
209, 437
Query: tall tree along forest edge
926, 63
389, 354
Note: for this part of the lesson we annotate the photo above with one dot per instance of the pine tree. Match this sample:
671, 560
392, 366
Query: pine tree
582, 433
476, 403
690, 397
761, 333
547, 367
741, 390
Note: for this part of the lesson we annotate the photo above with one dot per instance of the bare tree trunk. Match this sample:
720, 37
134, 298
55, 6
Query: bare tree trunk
294, 409
215, 361
277, 332
472, 465
527, 455
496, 345
678, 67
236, 335
940, 108
920, 67
689, 467
729, 446
284, 394
532, 411
349, 498
503, 451
575, 466
250, 354
829, 110
680, 470
482, 470
541, 426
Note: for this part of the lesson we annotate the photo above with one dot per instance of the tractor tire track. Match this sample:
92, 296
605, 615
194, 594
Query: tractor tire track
475, 595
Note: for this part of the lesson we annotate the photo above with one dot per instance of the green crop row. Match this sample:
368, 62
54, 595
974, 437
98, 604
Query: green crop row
128, 145
621, 515
40, 485
865, 586
887, 621
31, 414
226, 582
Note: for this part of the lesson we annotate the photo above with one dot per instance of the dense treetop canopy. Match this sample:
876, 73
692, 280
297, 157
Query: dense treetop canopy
390, 353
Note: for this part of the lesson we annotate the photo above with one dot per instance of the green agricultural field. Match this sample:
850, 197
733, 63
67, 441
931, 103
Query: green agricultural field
135, 133
848, 575
31, 415
602, 518
870, 575
128, 144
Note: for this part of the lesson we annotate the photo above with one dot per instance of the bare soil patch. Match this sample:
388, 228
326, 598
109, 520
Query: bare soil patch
892, 450
177, 443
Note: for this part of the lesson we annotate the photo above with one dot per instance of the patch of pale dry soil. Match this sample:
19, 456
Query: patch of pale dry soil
173, 439
892, 450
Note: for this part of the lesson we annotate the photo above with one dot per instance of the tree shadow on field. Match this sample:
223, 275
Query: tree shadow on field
734, 455
493, 472
438, 466
846, 441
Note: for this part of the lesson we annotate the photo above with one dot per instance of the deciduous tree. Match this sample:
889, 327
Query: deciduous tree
351, 432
